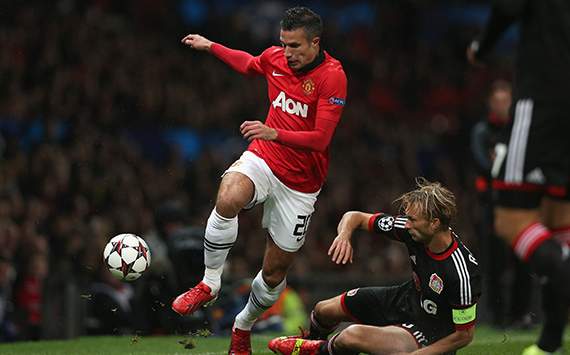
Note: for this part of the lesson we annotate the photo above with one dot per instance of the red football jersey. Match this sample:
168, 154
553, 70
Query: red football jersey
298, 100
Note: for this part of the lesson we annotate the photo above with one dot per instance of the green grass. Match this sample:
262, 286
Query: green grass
487, 341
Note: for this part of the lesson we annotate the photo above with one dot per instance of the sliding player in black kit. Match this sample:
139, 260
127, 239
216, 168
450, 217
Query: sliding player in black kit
531, 172
433, 313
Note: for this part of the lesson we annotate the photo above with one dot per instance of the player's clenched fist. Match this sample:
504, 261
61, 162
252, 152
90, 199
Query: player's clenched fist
197, 42
256, 130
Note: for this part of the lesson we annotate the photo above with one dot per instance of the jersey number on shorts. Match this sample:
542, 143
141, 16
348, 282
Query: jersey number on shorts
301, 228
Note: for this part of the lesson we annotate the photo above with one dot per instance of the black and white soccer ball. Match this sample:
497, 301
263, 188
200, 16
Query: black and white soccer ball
127, 256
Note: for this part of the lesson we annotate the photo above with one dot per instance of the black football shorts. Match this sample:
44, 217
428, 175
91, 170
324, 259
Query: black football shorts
392, 305
534, 161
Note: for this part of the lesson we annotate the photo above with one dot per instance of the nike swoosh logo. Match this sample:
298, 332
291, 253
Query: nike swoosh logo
277, 74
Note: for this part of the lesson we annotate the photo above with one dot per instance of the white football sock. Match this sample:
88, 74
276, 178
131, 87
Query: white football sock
261, 298
221, 233
213, 278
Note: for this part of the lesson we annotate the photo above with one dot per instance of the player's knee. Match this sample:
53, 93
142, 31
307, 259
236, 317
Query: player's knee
510, 222
227, 205
323, 309
235, 192
350, 337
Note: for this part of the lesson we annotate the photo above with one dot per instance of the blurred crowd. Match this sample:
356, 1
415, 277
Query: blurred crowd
92, 91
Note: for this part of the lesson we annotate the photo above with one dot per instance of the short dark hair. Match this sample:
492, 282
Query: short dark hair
302, 17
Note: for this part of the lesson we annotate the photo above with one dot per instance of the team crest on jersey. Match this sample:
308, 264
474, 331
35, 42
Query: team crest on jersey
386, 223
352, 292
308, 86
436, 283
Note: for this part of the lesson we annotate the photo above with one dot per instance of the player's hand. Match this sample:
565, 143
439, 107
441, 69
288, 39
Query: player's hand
197, 42
471, 54
341, 250
257, 130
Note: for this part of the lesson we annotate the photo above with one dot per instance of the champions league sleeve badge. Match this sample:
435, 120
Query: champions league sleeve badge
386, 223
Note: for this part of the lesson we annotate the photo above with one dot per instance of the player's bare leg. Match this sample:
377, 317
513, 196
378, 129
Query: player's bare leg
374, 340
324, 319
556, 216
326, 316
510, 222
354, 339
532, 242
265, 290
267, 285
555, 213
276, 263
236, 191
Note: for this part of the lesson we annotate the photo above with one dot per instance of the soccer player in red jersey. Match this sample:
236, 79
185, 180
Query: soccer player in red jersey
284, 167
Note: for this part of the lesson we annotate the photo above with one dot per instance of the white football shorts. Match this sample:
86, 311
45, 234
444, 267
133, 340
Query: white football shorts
286, 212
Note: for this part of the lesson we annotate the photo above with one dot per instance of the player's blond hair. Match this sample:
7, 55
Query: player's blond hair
432, 199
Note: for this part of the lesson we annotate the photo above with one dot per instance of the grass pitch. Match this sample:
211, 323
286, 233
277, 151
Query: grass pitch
487, 341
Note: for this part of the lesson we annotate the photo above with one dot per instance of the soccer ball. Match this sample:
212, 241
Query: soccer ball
127, 256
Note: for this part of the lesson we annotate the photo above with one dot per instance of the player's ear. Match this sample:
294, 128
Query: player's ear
315, 41
435, 223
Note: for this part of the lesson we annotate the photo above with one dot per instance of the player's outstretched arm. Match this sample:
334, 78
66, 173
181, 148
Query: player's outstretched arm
341, 248
239, 61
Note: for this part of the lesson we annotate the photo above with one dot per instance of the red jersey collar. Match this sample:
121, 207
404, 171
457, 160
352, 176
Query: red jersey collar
445, 254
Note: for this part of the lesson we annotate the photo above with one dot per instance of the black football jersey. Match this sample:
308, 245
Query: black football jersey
448, 283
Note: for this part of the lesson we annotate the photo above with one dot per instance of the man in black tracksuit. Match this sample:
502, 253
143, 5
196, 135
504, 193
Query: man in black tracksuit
531, 173
497, 258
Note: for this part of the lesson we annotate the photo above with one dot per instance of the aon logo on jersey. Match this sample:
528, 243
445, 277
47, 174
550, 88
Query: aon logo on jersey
290, 106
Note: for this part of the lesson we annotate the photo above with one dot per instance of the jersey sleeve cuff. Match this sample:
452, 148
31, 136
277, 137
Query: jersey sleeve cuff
371, 222
214, 47
465, 326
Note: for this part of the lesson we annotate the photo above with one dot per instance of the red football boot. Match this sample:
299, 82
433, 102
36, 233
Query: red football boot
295, 345
191, 300
241, 342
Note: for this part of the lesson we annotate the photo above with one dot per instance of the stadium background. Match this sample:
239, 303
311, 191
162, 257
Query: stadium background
109, 125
